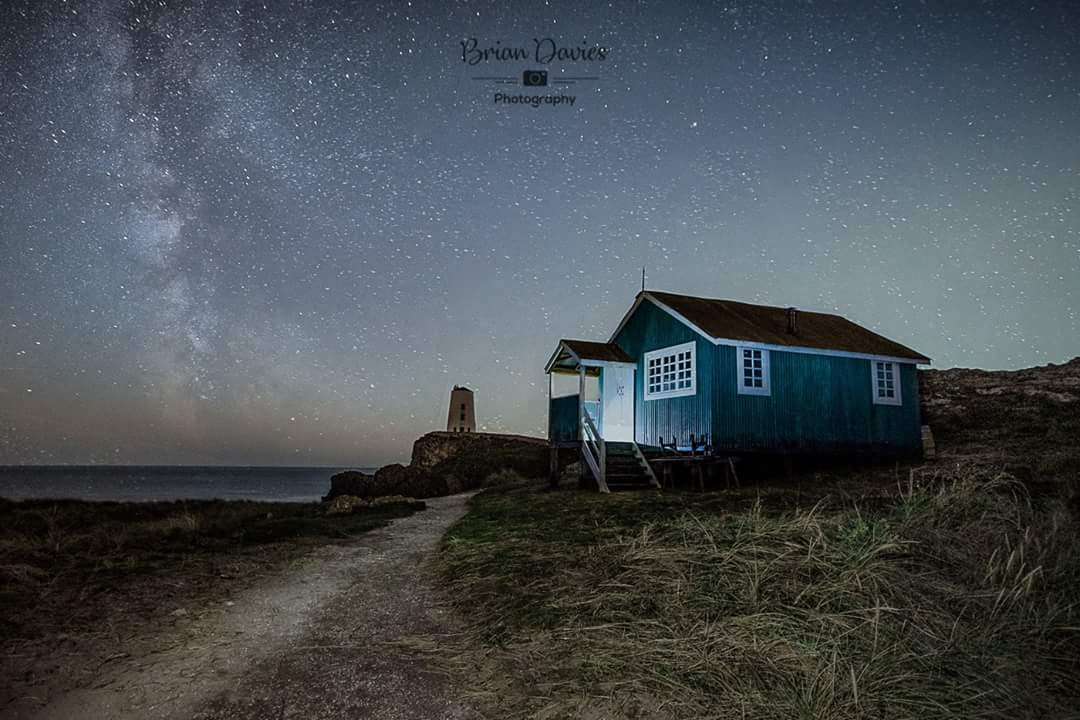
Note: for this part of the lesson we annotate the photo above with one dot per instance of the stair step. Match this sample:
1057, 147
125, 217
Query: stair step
627, 477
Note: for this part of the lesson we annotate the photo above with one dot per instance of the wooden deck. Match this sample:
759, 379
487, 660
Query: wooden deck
704, 470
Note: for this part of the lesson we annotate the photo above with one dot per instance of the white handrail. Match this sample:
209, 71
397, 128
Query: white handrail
595, 451
645, 461
590, 461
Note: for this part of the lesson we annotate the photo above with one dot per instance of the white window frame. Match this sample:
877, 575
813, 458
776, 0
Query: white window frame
766, 382
673, 352
895, 372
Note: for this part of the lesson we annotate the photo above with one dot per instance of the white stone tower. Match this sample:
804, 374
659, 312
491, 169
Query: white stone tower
462, 416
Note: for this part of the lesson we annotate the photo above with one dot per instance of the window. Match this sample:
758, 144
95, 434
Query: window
671, 372
886, 382
753, 368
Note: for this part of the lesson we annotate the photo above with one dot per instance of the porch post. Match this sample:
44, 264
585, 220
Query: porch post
599, 419
550, 386
581, 402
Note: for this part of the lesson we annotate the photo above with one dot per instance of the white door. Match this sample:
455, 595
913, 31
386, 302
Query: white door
617, 418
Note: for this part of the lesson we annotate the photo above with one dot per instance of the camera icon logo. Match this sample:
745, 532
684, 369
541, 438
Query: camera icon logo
534, 78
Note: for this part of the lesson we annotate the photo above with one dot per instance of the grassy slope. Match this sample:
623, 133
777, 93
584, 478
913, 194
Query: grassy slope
83, 582
955, 596
57, 555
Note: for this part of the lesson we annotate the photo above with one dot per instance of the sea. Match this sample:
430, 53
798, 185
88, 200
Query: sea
148, 483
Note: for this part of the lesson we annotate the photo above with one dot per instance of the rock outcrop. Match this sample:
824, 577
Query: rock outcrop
388, 480
345, 505
446, 463
351, 482
471, 457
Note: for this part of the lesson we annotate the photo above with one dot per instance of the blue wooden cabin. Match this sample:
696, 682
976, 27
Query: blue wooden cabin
743, 378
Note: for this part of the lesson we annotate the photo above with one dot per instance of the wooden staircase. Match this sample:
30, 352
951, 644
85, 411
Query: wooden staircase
614, 465
626, 468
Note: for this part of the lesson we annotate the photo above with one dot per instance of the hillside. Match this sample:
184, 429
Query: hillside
1027, 420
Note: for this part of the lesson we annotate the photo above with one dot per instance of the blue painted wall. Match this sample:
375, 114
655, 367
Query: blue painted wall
650, 328
563, 419
818, 403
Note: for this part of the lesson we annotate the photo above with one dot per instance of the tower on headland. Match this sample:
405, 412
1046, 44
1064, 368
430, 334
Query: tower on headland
462, 416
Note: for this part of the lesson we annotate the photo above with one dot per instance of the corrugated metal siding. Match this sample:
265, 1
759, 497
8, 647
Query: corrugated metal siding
818, 402
651, 329
563, 418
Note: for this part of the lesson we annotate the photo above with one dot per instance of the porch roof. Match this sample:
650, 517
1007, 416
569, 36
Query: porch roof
571, 353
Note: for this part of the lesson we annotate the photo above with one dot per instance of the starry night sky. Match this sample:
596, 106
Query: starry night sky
278, 233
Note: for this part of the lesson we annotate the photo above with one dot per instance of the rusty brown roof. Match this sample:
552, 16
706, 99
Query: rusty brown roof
587, 350
731, 320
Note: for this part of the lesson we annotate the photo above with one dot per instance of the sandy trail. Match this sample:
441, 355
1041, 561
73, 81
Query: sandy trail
308, 643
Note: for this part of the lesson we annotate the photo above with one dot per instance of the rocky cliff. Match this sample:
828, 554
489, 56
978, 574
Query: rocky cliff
445, 463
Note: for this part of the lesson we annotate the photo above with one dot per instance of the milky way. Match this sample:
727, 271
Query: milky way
270, 233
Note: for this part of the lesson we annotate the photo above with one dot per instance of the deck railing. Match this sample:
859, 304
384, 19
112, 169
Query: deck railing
594, 451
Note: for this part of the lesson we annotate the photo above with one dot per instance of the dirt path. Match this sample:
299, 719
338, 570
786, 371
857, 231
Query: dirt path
311, 643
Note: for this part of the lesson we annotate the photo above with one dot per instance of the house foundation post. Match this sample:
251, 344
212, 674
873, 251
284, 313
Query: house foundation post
553, 466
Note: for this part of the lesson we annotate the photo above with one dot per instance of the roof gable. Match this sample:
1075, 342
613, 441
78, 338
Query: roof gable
728, 320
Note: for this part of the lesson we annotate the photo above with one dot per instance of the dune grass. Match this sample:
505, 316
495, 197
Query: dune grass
952, 595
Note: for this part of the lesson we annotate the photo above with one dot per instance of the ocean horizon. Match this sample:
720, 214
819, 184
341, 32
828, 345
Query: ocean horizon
147, 483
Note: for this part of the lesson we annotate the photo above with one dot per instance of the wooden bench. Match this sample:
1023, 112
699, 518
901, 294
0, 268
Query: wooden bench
702, 469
